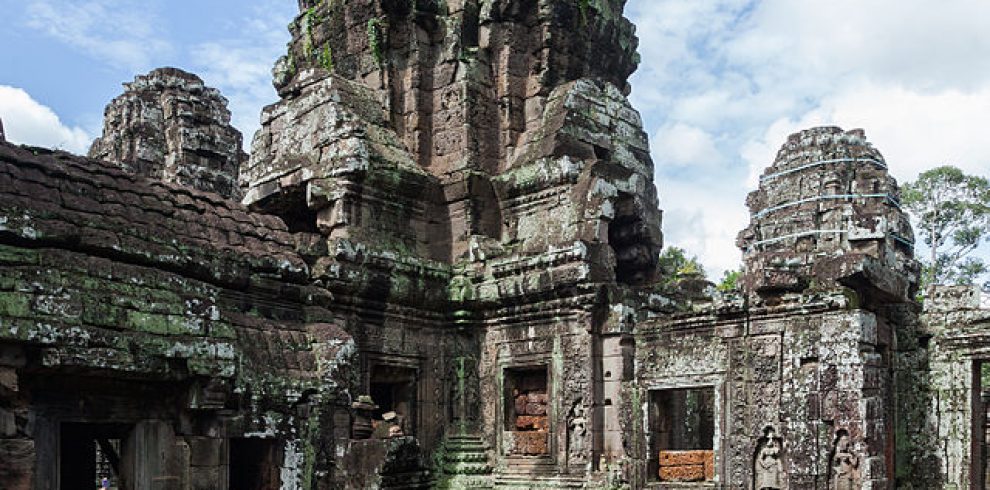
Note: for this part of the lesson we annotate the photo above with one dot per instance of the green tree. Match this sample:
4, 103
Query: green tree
676, 264
730, 280
953, 213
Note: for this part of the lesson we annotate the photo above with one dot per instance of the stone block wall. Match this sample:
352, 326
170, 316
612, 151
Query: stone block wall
945, 412
113, 282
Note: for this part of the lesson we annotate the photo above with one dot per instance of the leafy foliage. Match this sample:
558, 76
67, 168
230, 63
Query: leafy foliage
376, 39
953, 212
676, 264
730, 280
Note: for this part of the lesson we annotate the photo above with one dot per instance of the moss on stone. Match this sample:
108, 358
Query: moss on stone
376, 39
326, 58
17, 256
15, 304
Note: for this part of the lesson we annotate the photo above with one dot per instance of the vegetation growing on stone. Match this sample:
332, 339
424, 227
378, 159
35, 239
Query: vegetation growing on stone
376, 38
326, 58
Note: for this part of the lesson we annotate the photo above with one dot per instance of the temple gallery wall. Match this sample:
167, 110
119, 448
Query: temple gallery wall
437, 267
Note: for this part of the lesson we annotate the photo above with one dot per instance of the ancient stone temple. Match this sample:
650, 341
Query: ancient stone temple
438, 268
169, 126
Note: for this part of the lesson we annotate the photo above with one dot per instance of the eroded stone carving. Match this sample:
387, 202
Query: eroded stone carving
464, 392
845, 463
577, 432
168, 125
768, 470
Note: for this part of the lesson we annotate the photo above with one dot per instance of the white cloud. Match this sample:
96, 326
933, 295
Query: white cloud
709, 230
112, 31
914, 74
914, 43
241, 67
681, 144
26, 121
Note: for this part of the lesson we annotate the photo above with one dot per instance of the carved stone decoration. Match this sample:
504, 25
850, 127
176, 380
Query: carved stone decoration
768, 469
577, 431
464, 393
844, 464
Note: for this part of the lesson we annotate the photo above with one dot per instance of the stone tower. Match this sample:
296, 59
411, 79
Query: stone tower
828, 210
168, 125
830, 273
472, 170
434, 95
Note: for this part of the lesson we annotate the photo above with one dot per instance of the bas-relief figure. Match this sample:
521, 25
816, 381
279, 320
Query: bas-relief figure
768, 470
577, 427
845, 464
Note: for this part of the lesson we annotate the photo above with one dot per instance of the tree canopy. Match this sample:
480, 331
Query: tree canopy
675, 263
953, 213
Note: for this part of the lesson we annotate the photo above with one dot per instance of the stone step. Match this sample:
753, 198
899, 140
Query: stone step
520, 483
479, 448
538, 466
463, 482
525, 473
466, 458
467, 469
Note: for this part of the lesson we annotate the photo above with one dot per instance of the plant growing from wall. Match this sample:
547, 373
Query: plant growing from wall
310, 18
326, 58
583, 6
730, 280
376, 39
676, 264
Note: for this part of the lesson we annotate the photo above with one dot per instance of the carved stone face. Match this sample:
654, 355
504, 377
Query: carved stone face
842, 444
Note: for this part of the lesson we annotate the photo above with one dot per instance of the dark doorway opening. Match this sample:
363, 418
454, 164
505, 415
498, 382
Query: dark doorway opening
253, 464
90, 453
393, 389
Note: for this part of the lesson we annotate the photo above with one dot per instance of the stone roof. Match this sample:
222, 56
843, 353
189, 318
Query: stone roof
60, 200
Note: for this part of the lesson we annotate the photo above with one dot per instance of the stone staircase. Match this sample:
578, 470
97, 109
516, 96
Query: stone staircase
465, 464
523, 473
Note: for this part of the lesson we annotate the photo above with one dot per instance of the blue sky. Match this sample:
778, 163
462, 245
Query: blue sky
721, 83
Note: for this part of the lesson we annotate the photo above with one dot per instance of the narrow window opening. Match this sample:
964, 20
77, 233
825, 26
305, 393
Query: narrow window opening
90, 453
290, 205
